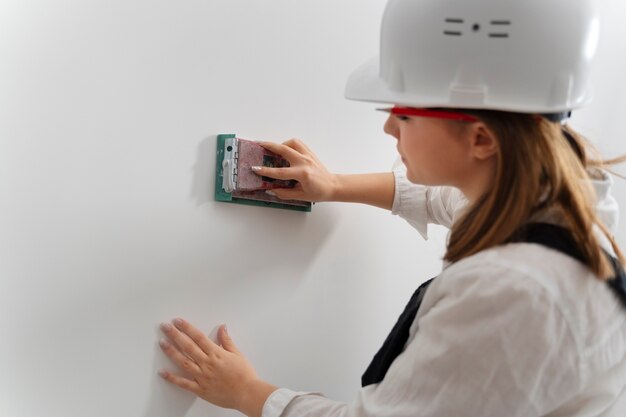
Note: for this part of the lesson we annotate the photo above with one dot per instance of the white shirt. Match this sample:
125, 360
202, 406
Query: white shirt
515, 330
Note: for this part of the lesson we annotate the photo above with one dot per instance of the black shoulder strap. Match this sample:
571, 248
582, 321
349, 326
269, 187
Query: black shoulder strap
560, 239
394, 344
550, 235
554, 237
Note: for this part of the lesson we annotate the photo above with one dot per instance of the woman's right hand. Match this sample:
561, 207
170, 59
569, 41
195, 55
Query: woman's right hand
315, 182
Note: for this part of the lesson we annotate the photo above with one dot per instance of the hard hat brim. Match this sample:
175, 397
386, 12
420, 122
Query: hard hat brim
364, 81
366, 84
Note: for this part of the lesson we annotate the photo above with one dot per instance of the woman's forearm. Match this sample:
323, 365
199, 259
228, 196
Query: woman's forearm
373, 189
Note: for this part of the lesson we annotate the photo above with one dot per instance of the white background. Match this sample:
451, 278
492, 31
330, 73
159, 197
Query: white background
109, 112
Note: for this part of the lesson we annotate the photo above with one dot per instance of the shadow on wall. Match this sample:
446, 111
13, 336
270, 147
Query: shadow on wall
203, 184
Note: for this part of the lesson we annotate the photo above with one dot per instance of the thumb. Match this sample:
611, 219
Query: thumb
284, 193
226, 341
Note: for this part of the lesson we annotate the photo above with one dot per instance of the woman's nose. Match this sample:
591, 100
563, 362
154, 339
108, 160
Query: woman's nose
390, 127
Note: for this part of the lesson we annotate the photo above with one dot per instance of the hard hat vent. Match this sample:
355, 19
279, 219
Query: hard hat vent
501, 26
498, 28
455, 24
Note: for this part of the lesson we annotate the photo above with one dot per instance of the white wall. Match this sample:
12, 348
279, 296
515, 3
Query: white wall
108, 116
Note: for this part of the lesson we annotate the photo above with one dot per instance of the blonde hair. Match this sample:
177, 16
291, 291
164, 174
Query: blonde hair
540, 164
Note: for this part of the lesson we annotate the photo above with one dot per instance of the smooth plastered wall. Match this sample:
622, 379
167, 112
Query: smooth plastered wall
109, 112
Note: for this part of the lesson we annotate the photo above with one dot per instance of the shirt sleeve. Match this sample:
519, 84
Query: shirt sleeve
277, 401
420, 205
483, 348
606, 205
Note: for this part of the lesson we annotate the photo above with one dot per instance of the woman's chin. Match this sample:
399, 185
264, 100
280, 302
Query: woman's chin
412, 177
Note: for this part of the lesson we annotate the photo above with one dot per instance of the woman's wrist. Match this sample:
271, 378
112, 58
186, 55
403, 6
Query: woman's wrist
254, 397
337, 187
374, 189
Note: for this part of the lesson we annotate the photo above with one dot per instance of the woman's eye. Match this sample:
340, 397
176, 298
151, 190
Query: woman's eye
403, 118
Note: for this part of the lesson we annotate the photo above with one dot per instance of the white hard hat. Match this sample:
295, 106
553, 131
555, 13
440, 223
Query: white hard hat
530, 56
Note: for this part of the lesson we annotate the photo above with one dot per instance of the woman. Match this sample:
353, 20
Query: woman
528, 317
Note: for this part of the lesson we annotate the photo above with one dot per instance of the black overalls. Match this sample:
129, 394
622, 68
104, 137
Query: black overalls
551, 236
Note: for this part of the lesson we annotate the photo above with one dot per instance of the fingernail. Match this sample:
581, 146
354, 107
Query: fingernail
178, 322
255, 169
270, 192
166, 327
163, 373
225, 328
163, 343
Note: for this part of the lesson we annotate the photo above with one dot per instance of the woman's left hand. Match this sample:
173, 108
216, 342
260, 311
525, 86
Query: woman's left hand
221, 374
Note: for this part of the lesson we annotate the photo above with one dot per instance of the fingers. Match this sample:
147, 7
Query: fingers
298, 145
226, 341
295, 144
285, 151
288, 193
277, 173
184, 343
184, 362
201, 340
294, 151
184, 383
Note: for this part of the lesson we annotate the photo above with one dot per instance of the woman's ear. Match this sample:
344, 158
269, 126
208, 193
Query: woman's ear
483, 142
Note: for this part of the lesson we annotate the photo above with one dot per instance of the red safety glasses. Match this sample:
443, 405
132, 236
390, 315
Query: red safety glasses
438, 114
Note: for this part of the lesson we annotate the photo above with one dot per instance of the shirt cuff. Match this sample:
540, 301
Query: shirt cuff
280, 399
409, 202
